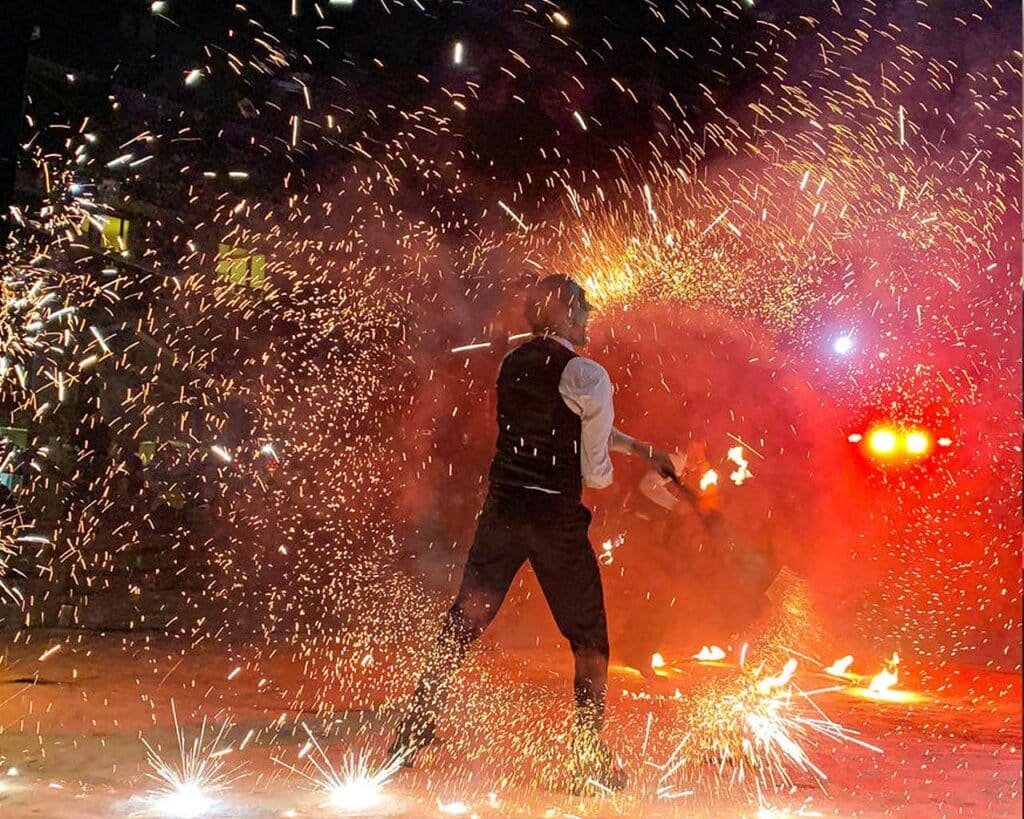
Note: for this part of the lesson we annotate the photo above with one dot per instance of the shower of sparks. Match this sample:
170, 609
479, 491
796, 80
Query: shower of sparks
226, 336
752, 732
354, 787
189, 785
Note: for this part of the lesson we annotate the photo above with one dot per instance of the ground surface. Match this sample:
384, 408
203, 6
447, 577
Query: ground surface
72, 722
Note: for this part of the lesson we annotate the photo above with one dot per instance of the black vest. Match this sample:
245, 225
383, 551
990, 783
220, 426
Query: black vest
538, 435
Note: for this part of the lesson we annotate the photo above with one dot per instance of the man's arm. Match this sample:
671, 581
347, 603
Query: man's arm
587, 390
621, 442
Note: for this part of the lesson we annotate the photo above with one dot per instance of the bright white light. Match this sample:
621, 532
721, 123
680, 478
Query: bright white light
917, 443
186, 801
843, 345
357, 794
457, 53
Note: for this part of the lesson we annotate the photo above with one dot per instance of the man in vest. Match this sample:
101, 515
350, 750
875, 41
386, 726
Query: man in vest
555, 432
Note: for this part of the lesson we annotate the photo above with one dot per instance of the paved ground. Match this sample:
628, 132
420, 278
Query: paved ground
72, 725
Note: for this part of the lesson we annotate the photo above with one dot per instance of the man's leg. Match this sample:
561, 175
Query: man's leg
571, 581
570, 578
494, 558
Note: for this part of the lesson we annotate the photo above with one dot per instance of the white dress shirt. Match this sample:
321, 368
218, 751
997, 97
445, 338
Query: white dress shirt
586, 389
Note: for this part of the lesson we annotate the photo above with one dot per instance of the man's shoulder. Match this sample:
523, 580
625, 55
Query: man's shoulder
584, 372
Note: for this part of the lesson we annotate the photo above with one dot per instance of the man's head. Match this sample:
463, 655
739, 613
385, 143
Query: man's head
557, 305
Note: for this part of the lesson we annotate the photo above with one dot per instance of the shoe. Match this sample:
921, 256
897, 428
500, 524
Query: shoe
412, 738
594, 768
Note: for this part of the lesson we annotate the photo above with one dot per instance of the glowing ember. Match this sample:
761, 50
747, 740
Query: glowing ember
709, 478
843, 345
657, 661
187, 788
752, 727
709, 654
607, 554
356, 793
742, 472
840, 667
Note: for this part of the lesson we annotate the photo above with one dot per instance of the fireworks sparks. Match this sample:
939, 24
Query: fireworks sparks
223, 394
354, 787
189, 785
753, 731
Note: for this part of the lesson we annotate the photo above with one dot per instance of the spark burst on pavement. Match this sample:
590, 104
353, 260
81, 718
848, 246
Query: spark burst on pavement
189, 785
751, 732
353, 787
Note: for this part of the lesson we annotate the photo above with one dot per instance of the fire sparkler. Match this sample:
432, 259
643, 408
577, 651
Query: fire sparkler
354, 787
189, 785
752, 731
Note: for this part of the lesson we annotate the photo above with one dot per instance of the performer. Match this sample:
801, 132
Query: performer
555, 432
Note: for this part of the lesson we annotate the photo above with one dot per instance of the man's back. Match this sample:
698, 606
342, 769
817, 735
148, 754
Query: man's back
538, 435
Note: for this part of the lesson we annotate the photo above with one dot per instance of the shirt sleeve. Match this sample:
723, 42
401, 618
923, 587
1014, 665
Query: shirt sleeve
587, 391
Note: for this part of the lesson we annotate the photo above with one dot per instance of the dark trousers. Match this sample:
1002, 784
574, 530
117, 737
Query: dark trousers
550, 531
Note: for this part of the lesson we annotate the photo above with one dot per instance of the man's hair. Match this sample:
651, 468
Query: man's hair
549, 301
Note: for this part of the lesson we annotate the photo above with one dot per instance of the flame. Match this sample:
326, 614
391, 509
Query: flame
887, 677
657, 661
711, 654
881, 685
709, 478
607, 557
766, 685
840, 667
741, 473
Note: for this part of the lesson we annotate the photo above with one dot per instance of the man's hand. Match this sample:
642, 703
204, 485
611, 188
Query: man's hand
662, 463
659, 460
